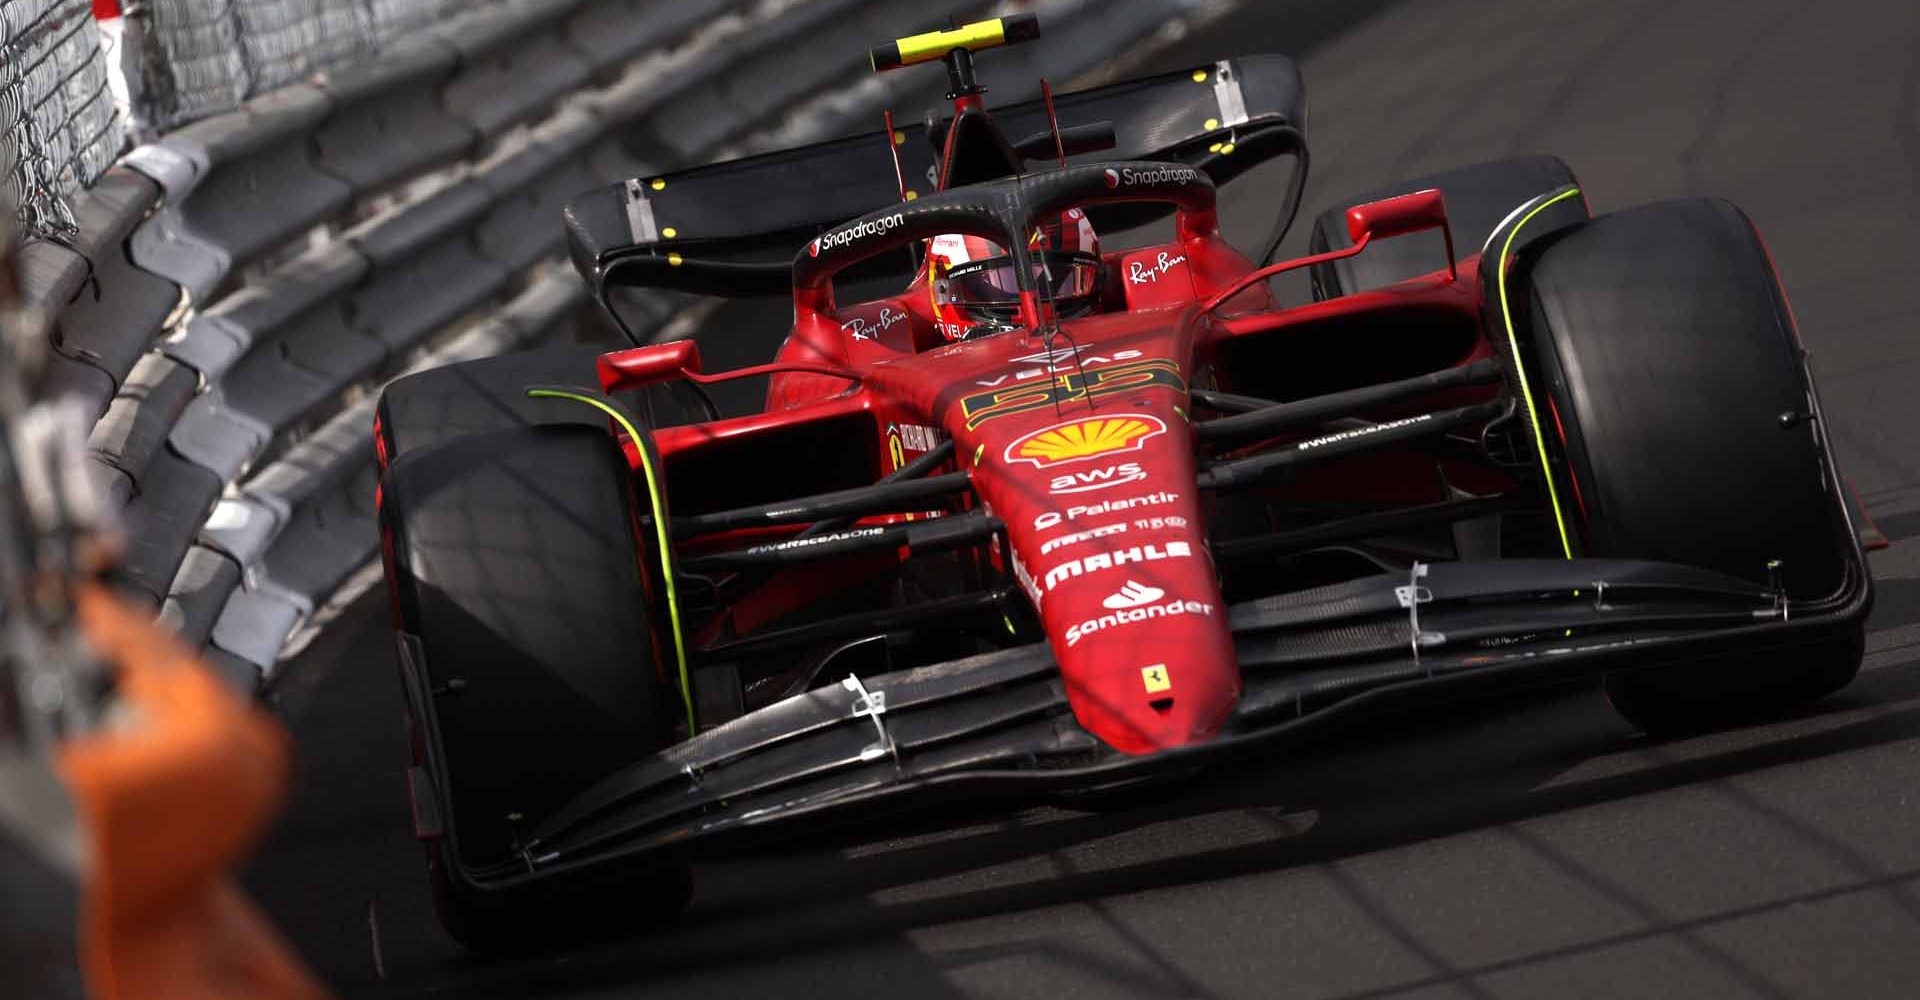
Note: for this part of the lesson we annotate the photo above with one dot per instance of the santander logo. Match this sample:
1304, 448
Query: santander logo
1132, 594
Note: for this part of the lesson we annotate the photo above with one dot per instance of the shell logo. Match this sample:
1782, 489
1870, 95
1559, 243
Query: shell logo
1088, 437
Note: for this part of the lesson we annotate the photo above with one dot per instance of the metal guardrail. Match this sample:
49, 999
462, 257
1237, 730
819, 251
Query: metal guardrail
235, 377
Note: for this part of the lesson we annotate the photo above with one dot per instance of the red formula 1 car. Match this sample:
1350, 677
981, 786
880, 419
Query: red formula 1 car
1053, 518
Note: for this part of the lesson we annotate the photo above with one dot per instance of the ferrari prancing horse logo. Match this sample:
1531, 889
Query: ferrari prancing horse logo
1069, 387
1155, 678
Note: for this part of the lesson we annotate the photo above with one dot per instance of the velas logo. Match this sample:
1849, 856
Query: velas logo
1113, 177
1132, 594
1066, 359
1088, 437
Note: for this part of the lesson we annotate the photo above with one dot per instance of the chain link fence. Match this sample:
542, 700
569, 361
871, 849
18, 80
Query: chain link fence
61, 126
202, 57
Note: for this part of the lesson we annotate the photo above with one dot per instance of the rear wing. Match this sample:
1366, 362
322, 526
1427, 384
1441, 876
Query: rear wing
731, 228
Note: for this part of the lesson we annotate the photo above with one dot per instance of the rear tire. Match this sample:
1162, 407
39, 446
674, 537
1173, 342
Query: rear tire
515, 578
1661, 356
1478, 198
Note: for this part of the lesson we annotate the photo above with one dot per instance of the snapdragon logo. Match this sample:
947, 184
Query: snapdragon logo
841, 237
1119, 177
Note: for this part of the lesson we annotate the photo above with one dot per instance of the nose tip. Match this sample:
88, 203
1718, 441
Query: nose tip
1153, 716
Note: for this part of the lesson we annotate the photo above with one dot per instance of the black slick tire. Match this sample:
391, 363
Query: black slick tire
454, 401
530, 666
1662, 358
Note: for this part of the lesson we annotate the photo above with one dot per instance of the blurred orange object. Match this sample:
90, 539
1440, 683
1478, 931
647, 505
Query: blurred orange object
174, 788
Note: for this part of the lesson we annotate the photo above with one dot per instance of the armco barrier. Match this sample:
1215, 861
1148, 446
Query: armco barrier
387, 120
242, 183
237, 432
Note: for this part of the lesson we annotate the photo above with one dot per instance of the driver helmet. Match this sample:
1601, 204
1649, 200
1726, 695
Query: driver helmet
971, 278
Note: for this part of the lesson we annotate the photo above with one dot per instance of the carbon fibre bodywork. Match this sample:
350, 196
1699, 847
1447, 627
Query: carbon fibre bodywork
997, 724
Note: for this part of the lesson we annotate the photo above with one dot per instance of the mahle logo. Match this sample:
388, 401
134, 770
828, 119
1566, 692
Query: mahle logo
1089, 437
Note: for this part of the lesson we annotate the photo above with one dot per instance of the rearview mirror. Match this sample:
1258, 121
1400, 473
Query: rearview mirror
636, 366
1408, 213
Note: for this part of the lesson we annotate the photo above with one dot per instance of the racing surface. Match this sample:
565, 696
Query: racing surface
1536, 847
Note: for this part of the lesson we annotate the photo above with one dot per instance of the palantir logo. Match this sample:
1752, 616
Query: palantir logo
1132, 594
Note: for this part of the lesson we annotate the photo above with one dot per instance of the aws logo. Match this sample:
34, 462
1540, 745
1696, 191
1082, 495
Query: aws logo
1070, 387
1088, 480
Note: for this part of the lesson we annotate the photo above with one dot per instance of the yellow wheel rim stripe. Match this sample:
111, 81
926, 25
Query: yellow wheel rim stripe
1520, 369
659, 527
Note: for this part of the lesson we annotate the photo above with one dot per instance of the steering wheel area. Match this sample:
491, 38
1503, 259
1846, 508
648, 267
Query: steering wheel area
1002, 211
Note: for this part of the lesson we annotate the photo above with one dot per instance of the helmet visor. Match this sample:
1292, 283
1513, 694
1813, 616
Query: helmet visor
990, 288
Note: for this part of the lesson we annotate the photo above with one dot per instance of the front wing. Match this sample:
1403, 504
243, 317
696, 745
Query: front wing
998, 723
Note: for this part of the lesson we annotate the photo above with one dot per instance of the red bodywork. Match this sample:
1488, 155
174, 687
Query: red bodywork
1080, 443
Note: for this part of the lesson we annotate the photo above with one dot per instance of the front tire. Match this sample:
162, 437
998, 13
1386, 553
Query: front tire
529, 665
1662, 357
